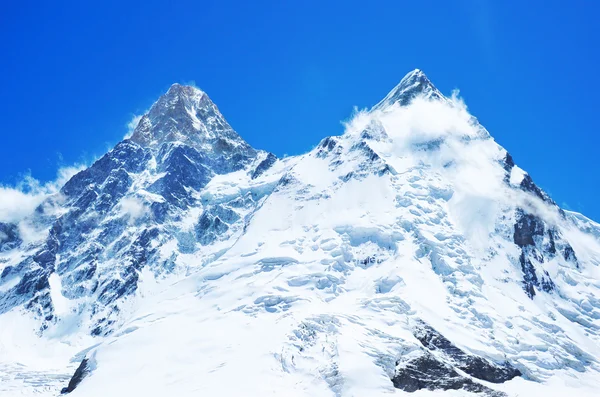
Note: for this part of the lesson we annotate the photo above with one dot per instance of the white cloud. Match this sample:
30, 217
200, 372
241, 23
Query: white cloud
132, 207
422, 121
444, 138
17, 202
191, 83
131, 124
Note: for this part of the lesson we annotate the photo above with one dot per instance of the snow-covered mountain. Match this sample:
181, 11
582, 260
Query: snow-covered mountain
408, 255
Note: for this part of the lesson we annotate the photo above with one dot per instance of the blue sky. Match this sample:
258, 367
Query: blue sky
285, 74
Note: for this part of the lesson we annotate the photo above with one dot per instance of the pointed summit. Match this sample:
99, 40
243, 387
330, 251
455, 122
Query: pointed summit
185, 114
413, 84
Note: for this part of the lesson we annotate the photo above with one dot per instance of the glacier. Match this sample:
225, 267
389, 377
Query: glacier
410, 255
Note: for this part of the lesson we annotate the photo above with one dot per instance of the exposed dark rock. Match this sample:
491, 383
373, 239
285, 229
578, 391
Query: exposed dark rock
264, 165
126, 278
366, 149
436, 367
187, 115
141, 248
530, 279
481, 368
412, 85
538, 244
103, 328
569, 255
31, 290
551, 246
78, 270
326, 146
547, 284
116, 288
184, 170
159, 211
374, 131
9, 236
178, 146
347, 177
111, 230
126, 155
115, 186
475, 366
45, 258
214, 221
372, 164
285, 180
528, 185
386, 169
531, 231
508, 163
526, 228
209, 227
81, 372
427, 372
32, 282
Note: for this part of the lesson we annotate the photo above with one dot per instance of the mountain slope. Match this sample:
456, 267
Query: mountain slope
409, 254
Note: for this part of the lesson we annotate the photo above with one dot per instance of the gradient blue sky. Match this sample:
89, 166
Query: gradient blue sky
286, 73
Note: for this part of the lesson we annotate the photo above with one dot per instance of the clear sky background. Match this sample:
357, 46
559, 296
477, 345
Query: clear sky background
285, 73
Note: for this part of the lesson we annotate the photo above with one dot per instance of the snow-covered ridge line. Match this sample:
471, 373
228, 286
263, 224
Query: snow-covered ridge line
410, 254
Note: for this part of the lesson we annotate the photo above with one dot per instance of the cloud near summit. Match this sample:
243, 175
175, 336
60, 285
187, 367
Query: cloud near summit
19, 201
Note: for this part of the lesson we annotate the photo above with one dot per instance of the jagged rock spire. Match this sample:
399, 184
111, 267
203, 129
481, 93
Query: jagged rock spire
186, 114
413, 84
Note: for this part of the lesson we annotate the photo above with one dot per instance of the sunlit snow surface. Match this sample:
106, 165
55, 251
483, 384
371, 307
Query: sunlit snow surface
407, 217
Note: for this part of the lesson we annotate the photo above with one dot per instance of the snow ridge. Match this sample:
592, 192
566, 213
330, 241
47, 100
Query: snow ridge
408, 255
414, 84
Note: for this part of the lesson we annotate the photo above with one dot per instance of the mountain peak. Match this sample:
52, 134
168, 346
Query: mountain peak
426, 244
180, 90
185, 114
415, 73
412, 84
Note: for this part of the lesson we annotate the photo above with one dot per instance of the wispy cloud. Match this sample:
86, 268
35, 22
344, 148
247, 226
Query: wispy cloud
133, 208
443, 136
132, 124
20, 200
190, 83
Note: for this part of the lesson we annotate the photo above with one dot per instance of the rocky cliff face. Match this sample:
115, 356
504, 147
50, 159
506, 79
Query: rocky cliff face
411, 253
116, 215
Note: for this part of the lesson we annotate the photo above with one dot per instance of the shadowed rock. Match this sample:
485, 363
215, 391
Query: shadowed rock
437, 366
9, 236
475, 366
81, 372
264, 165
427, 372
